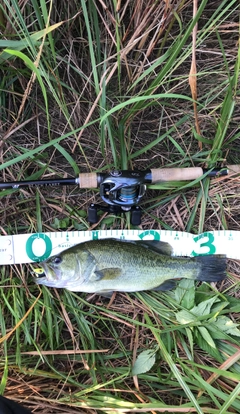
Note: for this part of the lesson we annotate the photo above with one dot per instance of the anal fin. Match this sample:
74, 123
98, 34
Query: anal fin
168, 285
105, 293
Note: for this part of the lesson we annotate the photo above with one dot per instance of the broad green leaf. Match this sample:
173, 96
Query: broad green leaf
204, 308
61, 224
218, 307
206, 336
144, 362
185, 293
226, 325
184, 317
204, 345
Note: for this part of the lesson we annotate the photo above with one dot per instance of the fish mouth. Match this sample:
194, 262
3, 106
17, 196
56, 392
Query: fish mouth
50, 273
45, 272
48, 276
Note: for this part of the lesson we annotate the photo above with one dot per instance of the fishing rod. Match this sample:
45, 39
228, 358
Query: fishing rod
122, 190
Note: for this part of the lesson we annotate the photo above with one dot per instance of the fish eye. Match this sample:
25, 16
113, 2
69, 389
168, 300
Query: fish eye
57, 260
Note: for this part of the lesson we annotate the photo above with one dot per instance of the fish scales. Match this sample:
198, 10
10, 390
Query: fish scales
138, 259
116, 265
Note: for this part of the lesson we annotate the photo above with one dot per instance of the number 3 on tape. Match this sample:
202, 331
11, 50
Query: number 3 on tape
205, 244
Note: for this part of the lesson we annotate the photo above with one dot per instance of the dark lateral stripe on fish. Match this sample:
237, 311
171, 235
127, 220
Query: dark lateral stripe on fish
213, 268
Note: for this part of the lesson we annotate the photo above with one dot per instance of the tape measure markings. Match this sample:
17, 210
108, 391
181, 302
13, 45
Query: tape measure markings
32, 247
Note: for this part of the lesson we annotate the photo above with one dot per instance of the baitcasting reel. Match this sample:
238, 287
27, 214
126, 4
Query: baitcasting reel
122, 191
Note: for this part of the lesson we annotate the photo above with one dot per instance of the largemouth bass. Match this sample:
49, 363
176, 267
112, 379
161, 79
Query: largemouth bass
103, 266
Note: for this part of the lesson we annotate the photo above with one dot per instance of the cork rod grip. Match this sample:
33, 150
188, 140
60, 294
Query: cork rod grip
88, 180
176, 174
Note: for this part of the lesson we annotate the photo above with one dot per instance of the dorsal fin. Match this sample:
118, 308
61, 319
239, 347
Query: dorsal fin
157, 246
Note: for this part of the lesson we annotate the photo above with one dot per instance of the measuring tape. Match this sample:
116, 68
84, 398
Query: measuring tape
36, 247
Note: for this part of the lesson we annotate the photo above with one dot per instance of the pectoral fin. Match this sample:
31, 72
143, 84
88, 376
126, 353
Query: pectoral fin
106, 274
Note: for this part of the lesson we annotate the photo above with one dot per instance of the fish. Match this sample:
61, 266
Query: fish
107, 265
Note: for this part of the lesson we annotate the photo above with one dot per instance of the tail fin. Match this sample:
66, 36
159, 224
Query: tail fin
212, 268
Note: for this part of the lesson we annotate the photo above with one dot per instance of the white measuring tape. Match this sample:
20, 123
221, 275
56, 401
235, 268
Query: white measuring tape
36, 247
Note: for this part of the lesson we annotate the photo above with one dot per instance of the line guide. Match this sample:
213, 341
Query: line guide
36, 247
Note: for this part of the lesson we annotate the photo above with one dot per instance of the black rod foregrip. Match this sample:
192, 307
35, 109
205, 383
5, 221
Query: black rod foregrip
38, 183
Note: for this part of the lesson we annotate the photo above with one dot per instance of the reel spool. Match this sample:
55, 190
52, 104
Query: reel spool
122, 191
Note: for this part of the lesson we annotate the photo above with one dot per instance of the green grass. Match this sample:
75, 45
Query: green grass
88, 88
